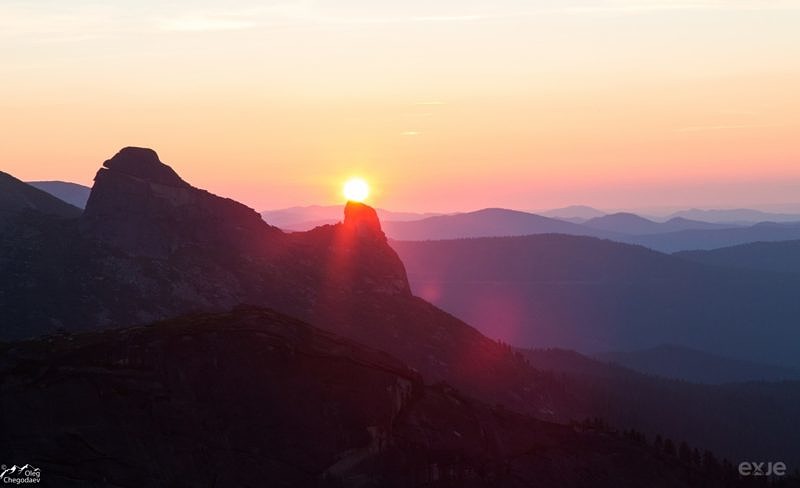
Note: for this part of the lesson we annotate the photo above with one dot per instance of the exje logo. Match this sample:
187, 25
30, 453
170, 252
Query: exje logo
752, 468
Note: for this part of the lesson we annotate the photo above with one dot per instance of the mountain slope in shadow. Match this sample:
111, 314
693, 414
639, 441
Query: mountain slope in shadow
781, 257
72, 193
178, 403
17, 198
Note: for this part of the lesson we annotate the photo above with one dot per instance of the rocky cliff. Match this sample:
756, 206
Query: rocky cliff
141, 206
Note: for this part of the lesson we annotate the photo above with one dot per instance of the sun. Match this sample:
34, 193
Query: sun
356, 190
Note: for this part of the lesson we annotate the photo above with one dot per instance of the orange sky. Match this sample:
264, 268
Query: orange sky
455, 106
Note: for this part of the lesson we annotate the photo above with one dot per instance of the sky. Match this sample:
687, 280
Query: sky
441, 105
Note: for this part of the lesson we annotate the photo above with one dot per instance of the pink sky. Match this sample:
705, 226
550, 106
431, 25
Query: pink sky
457, 106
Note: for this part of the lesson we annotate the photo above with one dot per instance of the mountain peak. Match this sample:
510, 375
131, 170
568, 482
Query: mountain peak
142, 206
363, 218
143, 163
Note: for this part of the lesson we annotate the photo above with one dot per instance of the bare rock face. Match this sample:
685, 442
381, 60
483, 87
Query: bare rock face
359, 255
140, 205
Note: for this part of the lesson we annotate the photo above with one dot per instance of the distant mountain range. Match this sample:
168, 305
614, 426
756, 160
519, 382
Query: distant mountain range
692, 229
740, 216
595, 295
574, 213
488, 222
676, 234
72, 193
628, 223
306, 218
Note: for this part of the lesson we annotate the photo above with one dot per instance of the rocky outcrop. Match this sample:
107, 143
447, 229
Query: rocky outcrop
141, 206
356, 257
363, 219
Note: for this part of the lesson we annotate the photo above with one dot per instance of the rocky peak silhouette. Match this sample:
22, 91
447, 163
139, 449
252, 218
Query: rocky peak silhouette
141, 206
363, 219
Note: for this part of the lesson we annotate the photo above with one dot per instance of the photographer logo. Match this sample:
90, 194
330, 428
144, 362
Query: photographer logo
20, 475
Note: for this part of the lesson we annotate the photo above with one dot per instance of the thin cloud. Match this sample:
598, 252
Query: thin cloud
22, 19
703, 128
645, 6
204, 24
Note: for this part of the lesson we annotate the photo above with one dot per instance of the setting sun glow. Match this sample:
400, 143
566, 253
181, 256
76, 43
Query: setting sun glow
356, 190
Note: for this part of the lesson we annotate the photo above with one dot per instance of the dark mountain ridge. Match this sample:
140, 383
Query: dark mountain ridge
178, 403
780, 257
17, 197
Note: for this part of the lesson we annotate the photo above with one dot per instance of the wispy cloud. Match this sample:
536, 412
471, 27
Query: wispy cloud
703, 128
204, 24
92, 19
645, 6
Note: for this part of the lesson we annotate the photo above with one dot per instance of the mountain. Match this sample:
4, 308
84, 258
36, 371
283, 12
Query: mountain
688, 364
783, 256
741, 216
287, 404
141, 206
574, 213
628, 223
488, 222
676, 234
17, 197
306, 218
699, 239
594, 295
149, 246
72, 193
